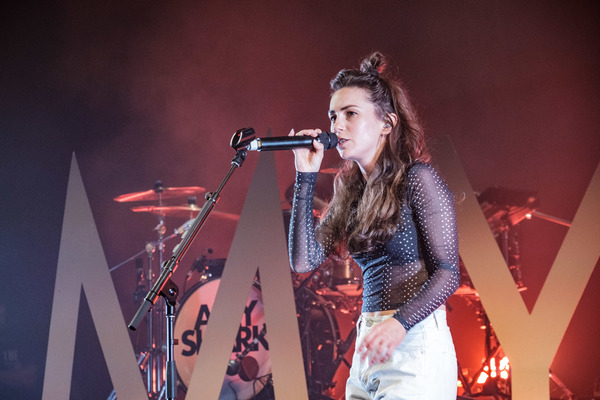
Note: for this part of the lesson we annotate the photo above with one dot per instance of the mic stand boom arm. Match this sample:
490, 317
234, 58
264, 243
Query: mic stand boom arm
170, 265
168, 289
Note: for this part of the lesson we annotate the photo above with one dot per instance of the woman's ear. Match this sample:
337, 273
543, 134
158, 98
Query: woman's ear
391, 121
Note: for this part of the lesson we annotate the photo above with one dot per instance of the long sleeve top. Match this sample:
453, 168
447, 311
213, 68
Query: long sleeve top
416, 271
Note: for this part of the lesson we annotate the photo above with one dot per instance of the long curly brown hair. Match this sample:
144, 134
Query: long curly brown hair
365, 213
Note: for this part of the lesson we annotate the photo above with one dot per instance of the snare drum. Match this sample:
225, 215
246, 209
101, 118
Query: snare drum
190, 324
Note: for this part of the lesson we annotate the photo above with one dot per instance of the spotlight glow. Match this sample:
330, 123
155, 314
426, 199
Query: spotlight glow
495, 369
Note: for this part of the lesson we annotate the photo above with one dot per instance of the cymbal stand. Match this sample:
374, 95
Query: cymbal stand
154, 331
491, 386
163, 284
152, 354
507, 236
151, 245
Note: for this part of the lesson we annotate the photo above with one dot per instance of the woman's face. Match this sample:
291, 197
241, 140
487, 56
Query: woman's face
361, 133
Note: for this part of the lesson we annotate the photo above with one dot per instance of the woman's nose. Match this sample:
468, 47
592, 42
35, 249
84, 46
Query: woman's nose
337, 126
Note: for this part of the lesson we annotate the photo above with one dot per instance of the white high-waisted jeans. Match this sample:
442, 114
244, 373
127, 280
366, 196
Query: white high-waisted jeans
423, 366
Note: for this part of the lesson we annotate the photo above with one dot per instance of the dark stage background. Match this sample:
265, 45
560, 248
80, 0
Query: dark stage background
142, 91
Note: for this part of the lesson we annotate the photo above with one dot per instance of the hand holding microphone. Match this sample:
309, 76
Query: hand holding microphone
294, 141
308, 159
308, 145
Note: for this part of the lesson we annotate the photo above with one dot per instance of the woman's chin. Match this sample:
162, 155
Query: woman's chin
343, 153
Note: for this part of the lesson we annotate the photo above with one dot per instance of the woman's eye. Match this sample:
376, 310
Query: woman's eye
332, 118
350, 113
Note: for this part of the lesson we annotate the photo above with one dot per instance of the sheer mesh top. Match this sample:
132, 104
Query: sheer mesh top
415, 271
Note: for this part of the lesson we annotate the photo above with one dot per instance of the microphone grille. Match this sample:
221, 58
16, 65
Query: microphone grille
328, 139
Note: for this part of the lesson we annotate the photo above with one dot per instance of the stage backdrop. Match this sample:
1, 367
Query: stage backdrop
142, 92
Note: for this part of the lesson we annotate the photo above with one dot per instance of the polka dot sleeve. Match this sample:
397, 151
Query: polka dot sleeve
432, 205
305, 252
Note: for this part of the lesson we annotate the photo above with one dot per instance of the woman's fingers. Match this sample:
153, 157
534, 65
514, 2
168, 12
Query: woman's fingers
306, 132
308, 159
379, 344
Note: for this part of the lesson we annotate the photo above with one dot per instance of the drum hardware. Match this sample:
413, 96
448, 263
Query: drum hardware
347, 279
163, 286
340, 279
150, 247
154, 351
159, 193
342, 349
140, 288
318, 336
466, 286
504, 207
550, 218
316, 299
504, 210
324, 349
204, 269
200, 265
141, 362
266, 383
339, 286
189, 211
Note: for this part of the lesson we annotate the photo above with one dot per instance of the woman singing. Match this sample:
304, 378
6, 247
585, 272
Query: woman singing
394, 215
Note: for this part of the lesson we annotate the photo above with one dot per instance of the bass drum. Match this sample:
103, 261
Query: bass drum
190, 322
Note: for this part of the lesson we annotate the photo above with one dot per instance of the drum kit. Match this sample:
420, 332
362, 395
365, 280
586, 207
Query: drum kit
322, 297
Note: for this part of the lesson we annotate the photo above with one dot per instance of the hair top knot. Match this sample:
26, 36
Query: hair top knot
374, 64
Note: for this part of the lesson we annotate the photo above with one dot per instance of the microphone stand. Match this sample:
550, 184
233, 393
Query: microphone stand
167, 288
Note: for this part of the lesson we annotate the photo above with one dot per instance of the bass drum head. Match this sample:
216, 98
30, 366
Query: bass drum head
190, 324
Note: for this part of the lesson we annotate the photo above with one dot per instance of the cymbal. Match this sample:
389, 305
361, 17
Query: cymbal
166, 193
186, 211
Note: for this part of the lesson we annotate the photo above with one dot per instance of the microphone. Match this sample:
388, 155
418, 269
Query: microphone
243, 364
246, 367
328, 139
